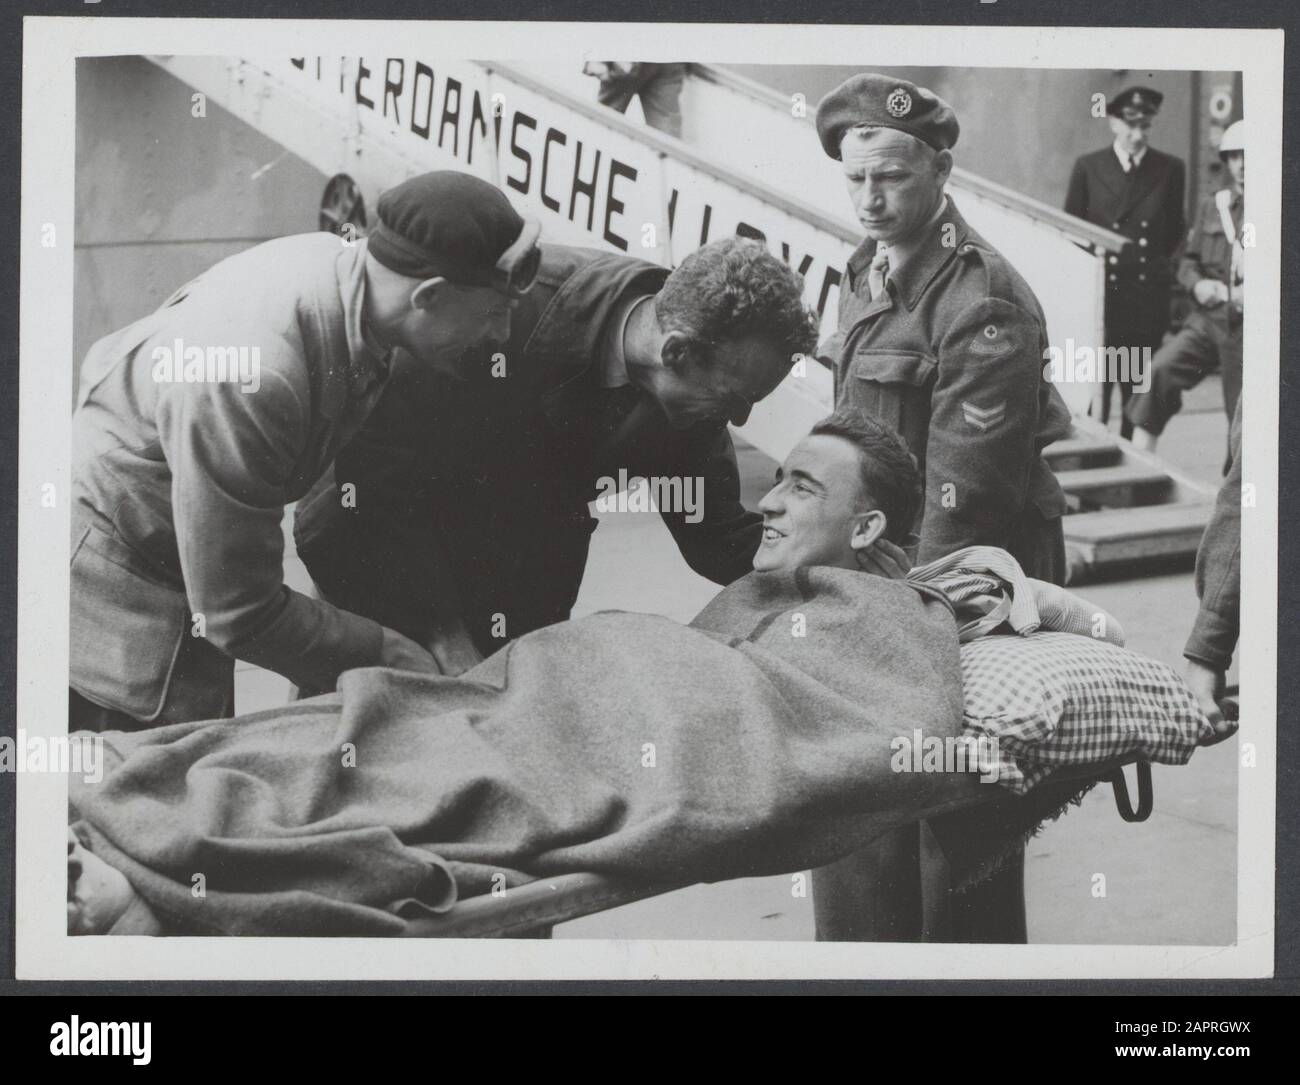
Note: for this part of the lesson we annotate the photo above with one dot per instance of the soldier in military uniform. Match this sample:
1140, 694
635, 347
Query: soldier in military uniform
939, 336
1137, 191
1212, 270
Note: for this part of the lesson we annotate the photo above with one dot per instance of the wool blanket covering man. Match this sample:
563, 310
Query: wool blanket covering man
755, 741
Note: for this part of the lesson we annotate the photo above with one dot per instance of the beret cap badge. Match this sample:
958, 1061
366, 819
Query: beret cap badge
899, 103
871, 100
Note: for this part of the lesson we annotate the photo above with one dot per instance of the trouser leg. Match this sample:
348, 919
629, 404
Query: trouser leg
1137, 331
1230, 366
616, 93
994, 910
1039, 546
1125, 426
873, 895
661, 95
1180, 364
1106, 389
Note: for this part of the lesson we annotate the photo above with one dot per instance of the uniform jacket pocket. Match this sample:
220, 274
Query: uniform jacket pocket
128, 638
894, 388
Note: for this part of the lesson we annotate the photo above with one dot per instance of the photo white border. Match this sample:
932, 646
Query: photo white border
50, 48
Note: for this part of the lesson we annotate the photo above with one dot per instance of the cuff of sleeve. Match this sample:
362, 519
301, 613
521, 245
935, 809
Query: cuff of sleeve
343, 641
1212, 640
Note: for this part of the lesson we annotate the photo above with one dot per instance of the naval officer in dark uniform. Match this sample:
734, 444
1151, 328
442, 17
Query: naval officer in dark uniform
1137, 191
939, 337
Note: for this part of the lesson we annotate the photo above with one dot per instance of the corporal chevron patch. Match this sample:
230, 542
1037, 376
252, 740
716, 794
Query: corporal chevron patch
984, 418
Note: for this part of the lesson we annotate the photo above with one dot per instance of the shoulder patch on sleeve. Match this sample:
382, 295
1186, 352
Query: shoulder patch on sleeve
993, 328
994, 339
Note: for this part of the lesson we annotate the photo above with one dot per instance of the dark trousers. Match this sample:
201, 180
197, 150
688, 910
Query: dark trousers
1137, 324
1205, 344
894, 890
1039, 546
660, 88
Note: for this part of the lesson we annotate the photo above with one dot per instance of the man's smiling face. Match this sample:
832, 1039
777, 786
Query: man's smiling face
810, 514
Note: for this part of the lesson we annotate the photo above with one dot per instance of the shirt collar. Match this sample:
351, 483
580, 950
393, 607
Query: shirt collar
576, 321
933, 248
614, 374
367, 358
1124, 156
903, 251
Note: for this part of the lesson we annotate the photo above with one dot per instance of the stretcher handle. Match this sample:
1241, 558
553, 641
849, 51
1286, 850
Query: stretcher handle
1146, 798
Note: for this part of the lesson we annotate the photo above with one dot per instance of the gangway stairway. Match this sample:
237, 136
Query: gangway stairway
1127, 509
745, 166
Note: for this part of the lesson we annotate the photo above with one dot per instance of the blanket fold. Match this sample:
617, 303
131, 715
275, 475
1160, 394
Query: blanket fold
756, 741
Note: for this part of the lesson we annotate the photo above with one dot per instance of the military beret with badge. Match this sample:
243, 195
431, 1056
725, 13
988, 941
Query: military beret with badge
880, 101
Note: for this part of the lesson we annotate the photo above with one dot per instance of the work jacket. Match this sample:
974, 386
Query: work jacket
471, 493
951, 356
181, 476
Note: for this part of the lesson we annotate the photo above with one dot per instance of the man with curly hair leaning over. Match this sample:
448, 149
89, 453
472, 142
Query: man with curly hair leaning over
460, 511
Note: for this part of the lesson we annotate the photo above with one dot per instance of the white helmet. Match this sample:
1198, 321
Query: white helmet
1233, 138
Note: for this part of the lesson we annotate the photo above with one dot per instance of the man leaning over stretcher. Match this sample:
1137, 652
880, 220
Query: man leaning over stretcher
756, 740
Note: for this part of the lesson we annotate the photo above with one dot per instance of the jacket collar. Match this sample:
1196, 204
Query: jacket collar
1123, 157
367, 362
929, 258
568, 340
570, 329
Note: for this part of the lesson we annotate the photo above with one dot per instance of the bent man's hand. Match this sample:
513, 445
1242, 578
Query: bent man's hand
1207, 684
1209, 292
403, 654
884, 558
453, 649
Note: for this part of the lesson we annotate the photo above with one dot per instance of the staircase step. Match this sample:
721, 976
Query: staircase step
1074, 453
1116, 535
1120, 485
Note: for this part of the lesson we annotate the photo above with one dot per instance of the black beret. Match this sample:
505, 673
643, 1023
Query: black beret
445, 223
1143, 99
884, 102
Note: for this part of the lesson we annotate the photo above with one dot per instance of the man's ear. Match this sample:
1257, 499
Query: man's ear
867, 528
943, 164
676, 352
422, 296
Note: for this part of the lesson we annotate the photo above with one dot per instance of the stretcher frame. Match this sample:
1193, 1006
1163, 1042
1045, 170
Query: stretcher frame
534, 909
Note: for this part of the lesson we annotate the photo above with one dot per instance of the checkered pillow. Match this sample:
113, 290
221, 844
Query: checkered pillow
1054, 700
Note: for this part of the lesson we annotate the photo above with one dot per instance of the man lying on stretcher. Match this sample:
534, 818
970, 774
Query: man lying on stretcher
756, 740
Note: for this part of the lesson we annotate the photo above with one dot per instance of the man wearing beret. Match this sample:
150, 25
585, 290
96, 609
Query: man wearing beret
198, 424
1138, 191
941, 339
472, 490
